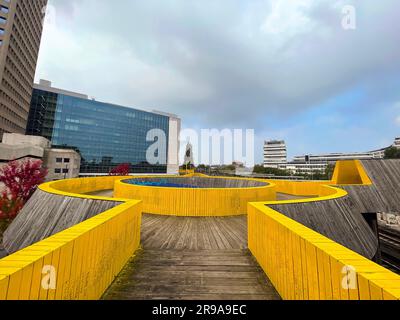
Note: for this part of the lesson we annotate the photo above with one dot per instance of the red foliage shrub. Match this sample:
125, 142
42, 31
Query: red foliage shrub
121, 170
21, 179
9, 206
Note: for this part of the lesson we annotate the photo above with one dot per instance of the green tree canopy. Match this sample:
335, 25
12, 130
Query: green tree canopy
392, 153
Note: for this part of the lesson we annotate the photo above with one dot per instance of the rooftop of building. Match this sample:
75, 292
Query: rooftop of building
46, 85
275, 142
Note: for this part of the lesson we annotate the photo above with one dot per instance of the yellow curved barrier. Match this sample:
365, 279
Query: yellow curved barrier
304, 265
80, 187
201, 202
312, 190
78, 263
82, 261
350, 172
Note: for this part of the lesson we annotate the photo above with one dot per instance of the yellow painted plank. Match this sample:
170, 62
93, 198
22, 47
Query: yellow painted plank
297, 268
64, 274
363, 288
26, 282
3, 287
36, 279
323, 295
14, 285
391, 294
55, 263
336, 277
385, 283
376, 292
43, 291
304, 268
312, 272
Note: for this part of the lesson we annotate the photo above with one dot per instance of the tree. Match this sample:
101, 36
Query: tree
121, 170
21, 179
392, 153
329, 170
9, 206
260, 169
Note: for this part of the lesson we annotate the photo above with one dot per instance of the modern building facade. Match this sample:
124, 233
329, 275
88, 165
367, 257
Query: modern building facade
105, 135
20, 35
275, 154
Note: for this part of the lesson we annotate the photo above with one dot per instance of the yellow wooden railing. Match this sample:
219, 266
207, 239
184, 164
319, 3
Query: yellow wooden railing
78, 263
201, 202
304, 265
80, 187
82, 261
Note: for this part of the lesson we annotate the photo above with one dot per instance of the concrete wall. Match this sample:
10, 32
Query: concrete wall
15, 139
10, 153
68, 168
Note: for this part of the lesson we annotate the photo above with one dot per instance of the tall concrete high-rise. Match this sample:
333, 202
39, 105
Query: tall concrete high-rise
20, 35
275, 154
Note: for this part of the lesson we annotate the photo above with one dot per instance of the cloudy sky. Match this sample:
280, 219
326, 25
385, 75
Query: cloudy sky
287, 69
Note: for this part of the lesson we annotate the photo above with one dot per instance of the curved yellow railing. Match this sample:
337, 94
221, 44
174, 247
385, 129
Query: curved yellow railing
303, 264
312, 191
201, 202
78, 188
80, 262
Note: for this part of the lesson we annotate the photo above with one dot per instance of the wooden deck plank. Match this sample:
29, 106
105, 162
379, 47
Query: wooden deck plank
193, 259
178, 233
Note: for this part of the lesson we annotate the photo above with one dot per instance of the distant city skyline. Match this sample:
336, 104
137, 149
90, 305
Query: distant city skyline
286, 69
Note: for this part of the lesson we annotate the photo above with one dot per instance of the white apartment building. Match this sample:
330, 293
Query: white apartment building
333, 157
306, 168
275, 154
396, 143
312, 163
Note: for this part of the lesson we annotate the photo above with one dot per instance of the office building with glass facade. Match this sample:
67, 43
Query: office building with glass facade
105, 135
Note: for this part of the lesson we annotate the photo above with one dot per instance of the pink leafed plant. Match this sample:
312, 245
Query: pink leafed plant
121, 170
21, 179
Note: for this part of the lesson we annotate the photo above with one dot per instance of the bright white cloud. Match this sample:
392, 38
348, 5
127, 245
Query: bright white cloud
288, 18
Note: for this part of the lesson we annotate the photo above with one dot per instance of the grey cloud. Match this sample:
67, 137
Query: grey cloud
213, 62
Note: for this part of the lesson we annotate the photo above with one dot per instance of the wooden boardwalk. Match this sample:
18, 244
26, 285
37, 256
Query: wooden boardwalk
193, 259
178, 233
